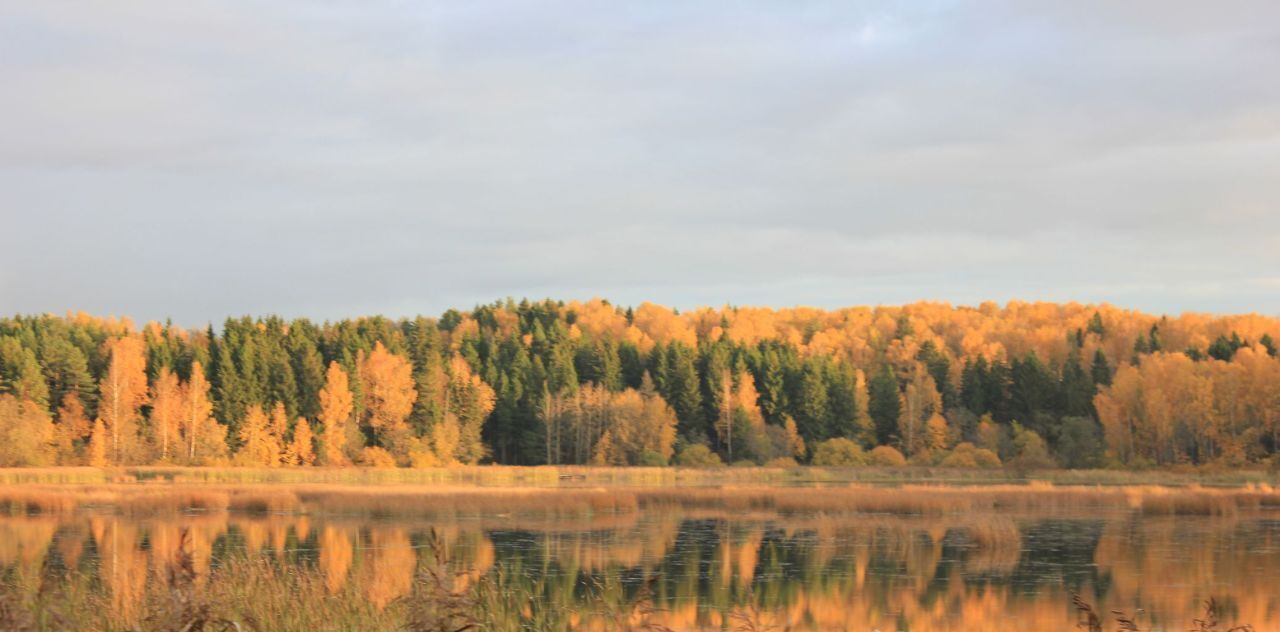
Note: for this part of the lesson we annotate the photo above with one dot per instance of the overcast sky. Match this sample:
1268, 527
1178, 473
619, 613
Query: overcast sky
199, 159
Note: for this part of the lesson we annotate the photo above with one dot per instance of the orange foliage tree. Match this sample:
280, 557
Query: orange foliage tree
166, 411
388, 388
301, 451
258, 445
203, 437
123, 390
335, 410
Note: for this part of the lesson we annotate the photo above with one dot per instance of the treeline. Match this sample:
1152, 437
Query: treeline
1037, 384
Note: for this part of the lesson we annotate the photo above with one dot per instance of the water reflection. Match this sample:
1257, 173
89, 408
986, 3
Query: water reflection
707, 571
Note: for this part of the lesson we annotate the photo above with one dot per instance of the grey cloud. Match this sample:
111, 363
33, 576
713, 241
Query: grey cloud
209, 158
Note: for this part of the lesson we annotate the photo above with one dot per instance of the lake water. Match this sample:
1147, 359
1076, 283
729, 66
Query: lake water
713, 569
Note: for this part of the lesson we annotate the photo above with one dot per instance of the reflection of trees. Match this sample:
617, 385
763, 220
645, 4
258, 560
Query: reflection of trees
24, 543
70, 544
1237, 557
389, 567
164, 539
335, 557
954, 572
122, 564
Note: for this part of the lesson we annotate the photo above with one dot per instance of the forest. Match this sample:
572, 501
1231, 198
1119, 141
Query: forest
1031, 385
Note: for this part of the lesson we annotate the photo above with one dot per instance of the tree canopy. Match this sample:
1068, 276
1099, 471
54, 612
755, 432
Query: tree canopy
591, 382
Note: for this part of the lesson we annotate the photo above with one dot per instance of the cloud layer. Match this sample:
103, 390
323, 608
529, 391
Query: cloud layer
200, 159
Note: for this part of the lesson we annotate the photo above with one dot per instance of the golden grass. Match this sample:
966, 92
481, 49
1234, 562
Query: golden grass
579, 476
158, 495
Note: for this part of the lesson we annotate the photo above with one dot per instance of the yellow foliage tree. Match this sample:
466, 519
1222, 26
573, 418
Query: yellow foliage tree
203, 437
920, 401
279, 426
335, 409
388, 389
301, 451
258, 445
98, 443
73, 426
607, 453
166, 411
444, 437
123, 390
26, 434
938, 432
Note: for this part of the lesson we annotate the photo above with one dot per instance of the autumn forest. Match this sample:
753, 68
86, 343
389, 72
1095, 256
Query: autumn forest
1031, 385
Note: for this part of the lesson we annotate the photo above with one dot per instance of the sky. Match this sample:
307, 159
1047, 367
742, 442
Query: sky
199, 159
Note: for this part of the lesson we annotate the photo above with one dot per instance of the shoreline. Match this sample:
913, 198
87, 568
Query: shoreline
561, 476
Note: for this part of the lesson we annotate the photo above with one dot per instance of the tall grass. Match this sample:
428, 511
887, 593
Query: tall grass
454, 500
557, 476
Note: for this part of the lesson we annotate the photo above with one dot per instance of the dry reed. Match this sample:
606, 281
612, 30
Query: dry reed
452, 500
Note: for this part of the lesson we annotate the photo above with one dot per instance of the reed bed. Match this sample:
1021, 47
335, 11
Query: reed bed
579, 476
450, 500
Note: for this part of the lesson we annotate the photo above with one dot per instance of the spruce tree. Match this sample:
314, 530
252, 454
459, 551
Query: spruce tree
885, 406
1078, 388
683, 392
1100, 371
1095, 325
973, 393
810, 406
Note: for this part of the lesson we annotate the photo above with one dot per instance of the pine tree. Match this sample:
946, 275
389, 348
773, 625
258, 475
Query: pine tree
20, 373
67, 371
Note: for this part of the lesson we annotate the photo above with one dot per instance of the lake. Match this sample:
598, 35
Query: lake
562, 560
